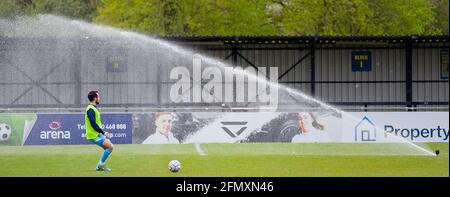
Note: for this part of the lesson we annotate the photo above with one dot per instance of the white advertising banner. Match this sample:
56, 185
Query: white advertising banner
383, 126
301, 127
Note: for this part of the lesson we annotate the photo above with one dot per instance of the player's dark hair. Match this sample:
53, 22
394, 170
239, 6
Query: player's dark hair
92, 95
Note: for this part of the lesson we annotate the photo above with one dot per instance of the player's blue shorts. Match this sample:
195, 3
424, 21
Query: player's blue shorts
99, 140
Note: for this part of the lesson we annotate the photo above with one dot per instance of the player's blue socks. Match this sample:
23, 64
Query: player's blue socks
105, 155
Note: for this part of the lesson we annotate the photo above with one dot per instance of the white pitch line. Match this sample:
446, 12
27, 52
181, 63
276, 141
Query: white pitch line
199, 149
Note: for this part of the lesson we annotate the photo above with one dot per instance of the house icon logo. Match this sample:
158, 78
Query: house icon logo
365, 130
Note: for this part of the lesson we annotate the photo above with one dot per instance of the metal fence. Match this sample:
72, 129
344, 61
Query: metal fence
403, 72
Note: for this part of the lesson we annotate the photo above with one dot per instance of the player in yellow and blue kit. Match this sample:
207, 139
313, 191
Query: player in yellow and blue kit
94, 131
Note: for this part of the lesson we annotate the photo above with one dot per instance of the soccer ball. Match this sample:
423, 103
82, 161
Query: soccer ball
5, 132
174, 166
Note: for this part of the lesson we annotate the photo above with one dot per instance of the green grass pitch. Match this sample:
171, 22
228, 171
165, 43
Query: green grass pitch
235, 160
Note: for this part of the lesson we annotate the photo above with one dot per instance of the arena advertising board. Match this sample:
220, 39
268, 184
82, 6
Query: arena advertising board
229, 127
53, 129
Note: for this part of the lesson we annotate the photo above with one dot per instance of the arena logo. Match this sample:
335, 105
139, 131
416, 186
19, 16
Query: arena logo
54, 133
224, 84
54, 125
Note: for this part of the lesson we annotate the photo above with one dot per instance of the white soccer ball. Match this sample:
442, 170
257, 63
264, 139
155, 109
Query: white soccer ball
5, 132
174, 166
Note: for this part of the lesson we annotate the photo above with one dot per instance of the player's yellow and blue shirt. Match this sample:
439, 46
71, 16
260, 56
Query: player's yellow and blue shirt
93, 123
